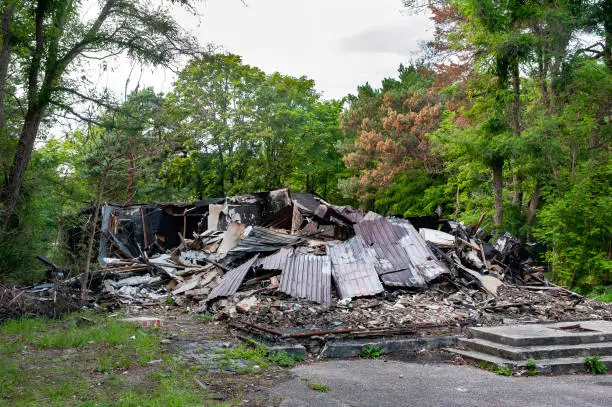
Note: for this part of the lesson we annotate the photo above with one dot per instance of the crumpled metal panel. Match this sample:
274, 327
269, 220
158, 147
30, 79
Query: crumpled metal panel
307, 203
392, 262
231, 280
353, 215
402, 257
263, 240
420, 254
353, 268
275, 261
307, 276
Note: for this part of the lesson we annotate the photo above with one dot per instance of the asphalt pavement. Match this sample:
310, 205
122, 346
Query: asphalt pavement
393, 383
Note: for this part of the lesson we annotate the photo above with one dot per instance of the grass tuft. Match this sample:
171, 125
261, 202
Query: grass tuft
318, 387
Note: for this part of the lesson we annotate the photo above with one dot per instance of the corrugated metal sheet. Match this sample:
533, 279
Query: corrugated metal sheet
307, 276
275, 261
402, 258
307, 203
419, 252
353, 268
231, 281
263, 240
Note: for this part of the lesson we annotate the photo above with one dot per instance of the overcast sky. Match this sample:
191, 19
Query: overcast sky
339, 43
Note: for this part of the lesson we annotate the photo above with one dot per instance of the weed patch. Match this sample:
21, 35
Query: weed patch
502, 370
318, 387
595, 366
531, 367
371, 352
260, 356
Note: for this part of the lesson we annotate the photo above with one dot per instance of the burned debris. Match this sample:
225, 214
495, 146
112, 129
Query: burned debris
294, 261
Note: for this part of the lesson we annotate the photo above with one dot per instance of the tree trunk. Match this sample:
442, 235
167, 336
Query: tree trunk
607, 13
131, 176
534, 202
5, 56
92, 238
457, 205
498, 189
21, 161
31, 123
517, 198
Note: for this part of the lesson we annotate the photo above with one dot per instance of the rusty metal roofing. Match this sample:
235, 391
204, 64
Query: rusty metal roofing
231, 280
402, 258
353, 268
263, 240
307, 276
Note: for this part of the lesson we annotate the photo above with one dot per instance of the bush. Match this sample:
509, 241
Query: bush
576, 228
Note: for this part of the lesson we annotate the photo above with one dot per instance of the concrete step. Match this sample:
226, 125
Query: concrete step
543, 366
536, 352
560, 333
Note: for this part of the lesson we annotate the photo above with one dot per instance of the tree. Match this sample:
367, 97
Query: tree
243, 131
213, 109
138, 129
45, 55
391, 139
285, 110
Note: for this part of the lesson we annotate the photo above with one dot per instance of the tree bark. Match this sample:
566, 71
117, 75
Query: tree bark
21, 161
517, 198
498, 189
534, 202
607, 13
31, 123
92, 238
5, 56
131, 176
457, 205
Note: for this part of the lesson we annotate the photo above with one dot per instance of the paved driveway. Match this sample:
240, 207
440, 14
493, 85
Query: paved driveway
393, 383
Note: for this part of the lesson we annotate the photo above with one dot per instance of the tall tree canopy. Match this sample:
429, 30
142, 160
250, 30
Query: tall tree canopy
241, 130
42, 43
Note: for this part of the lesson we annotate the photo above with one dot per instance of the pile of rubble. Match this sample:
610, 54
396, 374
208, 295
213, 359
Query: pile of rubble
49, 299
294, 261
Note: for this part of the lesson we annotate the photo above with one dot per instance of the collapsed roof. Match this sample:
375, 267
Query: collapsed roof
308, 240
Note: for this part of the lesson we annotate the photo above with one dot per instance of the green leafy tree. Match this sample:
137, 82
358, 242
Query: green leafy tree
45, 39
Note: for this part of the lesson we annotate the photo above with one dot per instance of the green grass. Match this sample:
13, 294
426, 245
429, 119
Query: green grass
70, 363
258, 356
318, 387
371, 352
206, 318
601, 293
501, 370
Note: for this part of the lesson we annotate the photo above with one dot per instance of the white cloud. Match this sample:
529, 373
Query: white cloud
341, 44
